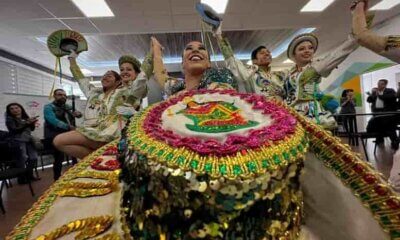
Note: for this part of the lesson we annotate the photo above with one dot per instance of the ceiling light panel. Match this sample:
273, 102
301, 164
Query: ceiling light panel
94, 8
218, 5
385, 5
316, 5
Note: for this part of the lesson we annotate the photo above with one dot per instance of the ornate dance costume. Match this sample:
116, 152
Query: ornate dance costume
256, 80
213, 164
302, 88
106, 124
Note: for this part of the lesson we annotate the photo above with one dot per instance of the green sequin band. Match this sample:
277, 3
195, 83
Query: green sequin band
243, 164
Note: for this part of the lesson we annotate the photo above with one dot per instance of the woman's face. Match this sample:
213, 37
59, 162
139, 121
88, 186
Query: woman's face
109, 81
15, 110
127, 73
195, 58
304, 53
350, 94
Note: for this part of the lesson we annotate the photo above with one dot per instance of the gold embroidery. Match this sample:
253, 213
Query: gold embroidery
87, 228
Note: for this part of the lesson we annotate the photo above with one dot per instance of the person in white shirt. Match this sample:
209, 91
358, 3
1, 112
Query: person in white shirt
382, 99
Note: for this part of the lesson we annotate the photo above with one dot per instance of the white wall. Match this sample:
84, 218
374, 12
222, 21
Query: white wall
31, 88
362, 55
33, 106
21, 79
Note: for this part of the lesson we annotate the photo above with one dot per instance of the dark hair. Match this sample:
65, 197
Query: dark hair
58, 89
346, 91
255, 51
116, 76
24, 115
384, 80
137, 70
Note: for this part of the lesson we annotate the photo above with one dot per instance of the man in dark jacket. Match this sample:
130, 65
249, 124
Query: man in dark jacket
382, 99
59, 118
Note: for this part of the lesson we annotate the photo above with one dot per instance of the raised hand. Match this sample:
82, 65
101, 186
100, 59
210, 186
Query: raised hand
217, 32
73, 55
126, 111
32, 120
156, 47
77, 114
361, 3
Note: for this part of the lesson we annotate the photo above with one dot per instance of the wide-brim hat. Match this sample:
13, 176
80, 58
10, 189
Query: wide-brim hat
61, 42
130, 59
208, 15
299, 39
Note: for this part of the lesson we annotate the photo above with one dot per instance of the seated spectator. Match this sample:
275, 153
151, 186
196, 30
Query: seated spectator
20, 126
386, 125
59, 118
84, 140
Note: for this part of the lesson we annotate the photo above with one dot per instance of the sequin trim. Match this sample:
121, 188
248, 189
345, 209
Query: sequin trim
40, 208
365, 182
392, 42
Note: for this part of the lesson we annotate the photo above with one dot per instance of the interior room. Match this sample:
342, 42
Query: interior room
199, 119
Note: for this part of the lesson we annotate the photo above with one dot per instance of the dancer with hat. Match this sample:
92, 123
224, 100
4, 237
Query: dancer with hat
387, 46
111, 103
218, 164
130, 67
257, 78
70, 43
302, 88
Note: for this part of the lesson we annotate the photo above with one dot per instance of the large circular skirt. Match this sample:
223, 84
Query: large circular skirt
220, 133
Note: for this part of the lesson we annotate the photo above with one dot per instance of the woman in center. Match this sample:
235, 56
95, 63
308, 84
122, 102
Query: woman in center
196, 68
199, 166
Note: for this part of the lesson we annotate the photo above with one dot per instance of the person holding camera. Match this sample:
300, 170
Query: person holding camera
348, 106
20, 126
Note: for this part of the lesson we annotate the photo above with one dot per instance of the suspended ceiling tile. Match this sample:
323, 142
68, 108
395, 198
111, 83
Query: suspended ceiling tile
159, 23
274, 21
81, 25
156, 8
183, 7
186, 22
233, 22
127, 8
282, 6
241, 7
121, 25
48, 26
61, 8
21, 10
34, 27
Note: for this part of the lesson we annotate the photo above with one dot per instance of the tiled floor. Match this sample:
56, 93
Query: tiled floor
18, 200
